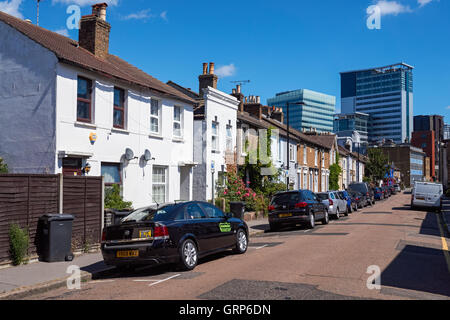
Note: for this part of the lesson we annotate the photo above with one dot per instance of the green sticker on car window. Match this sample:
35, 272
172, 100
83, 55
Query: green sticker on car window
225, 227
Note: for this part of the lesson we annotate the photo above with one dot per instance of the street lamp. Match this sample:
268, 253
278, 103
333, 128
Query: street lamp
289, 140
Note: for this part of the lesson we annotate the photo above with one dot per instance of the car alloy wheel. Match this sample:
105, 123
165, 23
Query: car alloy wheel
326, 220
312, 221
242, 242
190, 255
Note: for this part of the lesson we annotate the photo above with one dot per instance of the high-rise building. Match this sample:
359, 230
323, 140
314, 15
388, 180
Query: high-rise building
386, 94
346, 124
446, 131
309, 110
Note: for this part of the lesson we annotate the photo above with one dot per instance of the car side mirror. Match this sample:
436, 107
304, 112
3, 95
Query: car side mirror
228, 215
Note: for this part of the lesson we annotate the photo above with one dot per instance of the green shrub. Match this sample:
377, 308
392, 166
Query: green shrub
113, 199
3, 166
19, 244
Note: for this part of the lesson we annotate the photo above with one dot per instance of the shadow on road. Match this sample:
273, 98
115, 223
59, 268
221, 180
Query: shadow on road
430, 225
418, 268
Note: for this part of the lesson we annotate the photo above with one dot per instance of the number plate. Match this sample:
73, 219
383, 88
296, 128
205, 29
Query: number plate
145, 234
128, 254
285, 215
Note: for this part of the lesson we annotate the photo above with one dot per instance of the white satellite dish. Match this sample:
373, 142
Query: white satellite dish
147, 155
129, 154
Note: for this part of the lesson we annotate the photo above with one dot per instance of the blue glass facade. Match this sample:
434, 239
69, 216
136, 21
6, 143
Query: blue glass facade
386, 95
316, 112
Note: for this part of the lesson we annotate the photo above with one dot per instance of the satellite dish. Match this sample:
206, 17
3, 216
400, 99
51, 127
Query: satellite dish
129, 154
147, 155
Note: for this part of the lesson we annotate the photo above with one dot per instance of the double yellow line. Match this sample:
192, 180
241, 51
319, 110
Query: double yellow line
444, 243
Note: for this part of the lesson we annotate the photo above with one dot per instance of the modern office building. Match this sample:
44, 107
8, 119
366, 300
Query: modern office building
346, 124
446, 131
386, 94
309, 110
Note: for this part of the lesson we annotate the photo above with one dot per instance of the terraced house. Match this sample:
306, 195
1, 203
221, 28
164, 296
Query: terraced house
76, 109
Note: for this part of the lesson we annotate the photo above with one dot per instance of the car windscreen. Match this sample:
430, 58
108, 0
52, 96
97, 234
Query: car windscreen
287, 198
322, 196
150, 214
358, 187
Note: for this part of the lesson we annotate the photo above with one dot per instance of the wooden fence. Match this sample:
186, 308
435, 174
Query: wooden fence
25, 198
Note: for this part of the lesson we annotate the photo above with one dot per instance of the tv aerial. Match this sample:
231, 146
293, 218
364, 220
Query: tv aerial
241, 82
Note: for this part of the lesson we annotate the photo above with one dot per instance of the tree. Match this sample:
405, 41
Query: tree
377, 164
335, 172
3, 166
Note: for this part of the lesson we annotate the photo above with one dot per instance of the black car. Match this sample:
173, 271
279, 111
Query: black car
296, 207
360, 199
173, 233
365, 189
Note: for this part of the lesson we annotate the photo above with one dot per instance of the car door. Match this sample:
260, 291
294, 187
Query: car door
222, 229
319, 208
200, 226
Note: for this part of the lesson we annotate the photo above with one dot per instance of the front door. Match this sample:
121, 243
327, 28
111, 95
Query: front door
185, 183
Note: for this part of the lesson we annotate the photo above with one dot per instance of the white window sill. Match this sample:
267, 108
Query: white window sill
117, 130
178, 139
85, 125
155, 135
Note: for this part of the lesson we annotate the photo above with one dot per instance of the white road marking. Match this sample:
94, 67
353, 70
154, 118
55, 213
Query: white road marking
266, 245
161, 281
102, 281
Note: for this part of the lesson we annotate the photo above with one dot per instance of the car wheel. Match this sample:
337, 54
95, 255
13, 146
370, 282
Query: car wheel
338, 215
346, 211
326, 220
241, 242
188, 255
312, 221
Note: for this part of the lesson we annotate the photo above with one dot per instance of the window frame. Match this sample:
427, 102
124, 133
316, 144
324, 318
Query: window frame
216, 135
229, 139
180, 122
118, 108
158, 117
88, 101
165, 184
112, 164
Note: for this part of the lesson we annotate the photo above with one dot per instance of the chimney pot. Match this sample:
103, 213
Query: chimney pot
238, 88
234, 91
211, 68
99, 10
205, 68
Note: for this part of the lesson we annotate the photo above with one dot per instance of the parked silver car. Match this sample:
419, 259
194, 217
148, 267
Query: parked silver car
336, 206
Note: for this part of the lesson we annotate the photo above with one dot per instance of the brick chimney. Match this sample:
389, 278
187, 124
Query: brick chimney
94, 31
207, 78
277, 114
238, 95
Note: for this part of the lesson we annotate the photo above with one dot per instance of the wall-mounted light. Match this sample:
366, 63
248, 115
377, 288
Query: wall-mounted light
86, 169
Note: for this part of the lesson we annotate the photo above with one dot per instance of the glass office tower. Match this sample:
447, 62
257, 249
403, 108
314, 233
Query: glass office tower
315, 112
386, 94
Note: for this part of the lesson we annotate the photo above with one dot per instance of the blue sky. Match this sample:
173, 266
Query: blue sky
278, 45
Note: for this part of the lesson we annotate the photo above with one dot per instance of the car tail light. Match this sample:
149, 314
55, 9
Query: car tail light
357, 199
331, 202
301, 205
271, 208
160, 233
104, 235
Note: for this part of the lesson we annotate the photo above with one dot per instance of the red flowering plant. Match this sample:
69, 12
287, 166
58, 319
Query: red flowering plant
235, 190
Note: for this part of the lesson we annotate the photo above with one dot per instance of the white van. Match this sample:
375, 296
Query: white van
426, 195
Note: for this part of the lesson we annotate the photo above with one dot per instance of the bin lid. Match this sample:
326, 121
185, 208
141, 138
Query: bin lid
57, 217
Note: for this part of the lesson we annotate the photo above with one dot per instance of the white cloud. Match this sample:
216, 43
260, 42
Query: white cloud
423, 3
163, 15
226, 71
63, 32
392, 7
83, 3
448, 108
11, 7
141, 15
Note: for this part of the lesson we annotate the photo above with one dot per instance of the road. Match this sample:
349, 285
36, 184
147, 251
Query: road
330, 262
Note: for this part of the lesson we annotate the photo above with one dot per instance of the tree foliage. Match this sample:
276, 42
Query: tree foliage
3, 166
335, 172
376, 167
113, 199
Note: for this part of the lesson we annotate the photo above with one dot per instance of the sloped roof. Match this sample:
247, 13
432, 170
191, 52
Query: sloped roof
68, 51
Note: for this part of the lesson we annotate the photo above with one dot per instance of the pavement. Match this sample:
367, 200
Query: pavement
19, 282
446, 213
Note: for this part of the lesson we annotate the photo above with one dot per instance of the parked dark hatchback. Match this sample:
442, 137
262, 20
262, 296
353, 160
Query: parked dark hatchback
365, 189
173, 233
296, 207
379, 194
360, 199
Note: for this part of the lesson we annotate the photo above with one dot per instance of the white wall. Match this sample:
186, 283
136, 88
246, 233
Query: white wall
73, 137
224, 107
